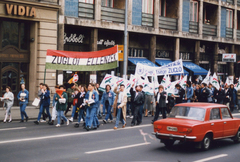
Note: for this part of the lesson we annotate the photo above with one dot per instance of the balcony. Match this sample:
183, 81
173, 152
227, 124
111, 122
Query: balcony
238, 34
209, 30
229, 33
86, 10
113, 14
230, 2
193, 27
168, 23
147, 19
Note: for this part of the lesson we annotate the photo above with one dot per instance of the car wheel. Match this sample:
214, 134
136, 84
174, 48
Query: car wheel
206, 142
168, 143
236, 138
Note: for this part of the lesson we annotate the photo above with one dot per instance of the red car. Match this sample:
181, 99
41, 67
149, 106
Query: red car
197, 122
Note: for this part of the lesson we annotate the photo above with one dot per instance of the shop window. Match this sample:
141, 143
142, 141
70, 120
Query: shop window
204, 57
107, 3
162, 8
229, 21
87, 1
23, 36
10, 33
135, 52
163, 54
147, 6
185, 56
194, 11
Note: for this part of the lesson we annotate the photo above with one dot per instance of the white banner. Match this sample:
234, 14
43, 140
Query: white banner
175, 67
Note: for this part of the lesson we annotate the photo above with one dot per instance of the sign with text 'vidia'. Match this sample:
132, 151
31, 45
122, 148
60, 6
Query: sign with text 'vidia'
82, 61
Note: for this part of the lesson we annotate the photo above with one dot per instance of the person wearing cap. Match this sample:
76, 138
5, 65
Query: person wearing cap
119, 106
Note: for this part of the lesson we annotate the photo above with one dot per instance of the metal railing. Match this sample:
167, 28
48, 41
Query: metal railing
193, 27
112, 14
168, 23
229, 33
86, 10
147, 19
210, 30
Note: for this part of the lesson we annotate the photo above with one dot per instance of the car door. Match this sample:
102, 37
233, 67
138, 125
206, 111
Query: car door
228, 122
216, 123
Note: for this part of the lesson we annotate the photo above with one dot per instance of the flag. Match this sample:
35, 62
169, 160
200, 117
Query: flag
227, 81
207, 78
190, 79
183, 82
166, 82
238, 84
155, 83
215, 82
199, 78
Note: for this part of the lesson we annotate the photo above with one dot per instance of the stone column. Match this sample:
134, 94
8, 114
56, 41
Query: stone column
121, 63
130, 12
235, 20
97, 12
197, 52
200, 19
176, 49
153, 44
33, 61
231, 64
180, 12
219, 20
214, 67
156, 15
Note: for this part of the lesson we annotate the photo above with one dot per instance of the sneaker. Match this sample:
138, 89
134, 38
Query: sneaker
71, 119
27, 119
4, 121
21, 121
115, 128
36, 122
104, 121
67, 122
128, 116
10, 120
43, 121
131, 117
76, 125
111, 121
58, 125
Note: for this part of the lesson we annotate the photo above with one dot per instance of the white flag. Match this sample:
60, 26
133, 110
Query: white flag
215, 82
207, 78
183, 82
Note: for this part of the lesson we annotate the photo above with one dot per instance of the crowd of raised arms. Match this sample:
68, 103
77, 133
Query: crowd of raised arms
89, 105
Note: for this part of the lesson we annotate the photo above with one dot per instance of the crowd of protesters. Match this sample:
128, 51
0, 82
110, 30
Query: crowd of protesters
90, 105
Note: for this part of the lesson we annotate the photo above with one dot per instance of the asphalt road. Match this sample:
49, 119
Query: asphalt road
26, 142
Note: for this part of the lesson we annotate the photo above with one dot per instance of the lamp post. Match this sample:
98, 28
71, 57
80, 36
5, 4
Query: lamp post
125, 41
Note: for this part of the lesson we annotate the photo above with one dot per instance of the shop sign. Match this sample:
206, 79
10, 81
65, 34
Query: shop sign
162, 54
73, 38
120, 52
106, 42
20, 10
229, 57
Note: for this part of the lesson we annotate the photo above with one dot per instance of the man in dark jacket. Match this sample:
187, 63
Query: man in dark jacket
137, 103
160, 99
219, 95
140, 112
204, 93
179, 95
132, 92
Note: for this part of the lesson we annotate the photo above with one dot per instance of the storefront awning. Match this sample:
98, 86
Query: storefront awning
165, 62
197, 70
142, 60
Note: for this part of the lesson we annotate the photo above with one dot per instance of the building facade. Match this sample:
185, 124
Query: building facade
198, 31
27, 29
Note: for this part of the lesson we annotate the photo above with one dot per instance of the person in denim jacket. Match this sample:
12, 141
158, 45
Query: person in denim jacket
23, 101
189, 92
91, 100
108, 100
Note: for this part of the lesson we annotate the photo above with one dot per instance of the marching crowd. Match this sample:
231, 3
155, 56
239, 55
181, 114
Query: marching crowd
89, 104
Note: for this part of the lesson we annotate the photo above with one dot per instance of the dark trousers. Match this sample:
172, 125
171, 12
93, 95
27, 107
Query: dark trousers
132, 108
158, 110
135, 115
68, 107
140, 112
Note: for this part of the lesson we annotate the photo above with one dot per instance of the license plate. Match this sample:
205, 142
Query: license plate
173, 129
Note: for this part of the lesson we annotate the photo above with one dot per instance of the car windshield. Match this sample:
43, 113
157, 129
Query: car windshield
193, 113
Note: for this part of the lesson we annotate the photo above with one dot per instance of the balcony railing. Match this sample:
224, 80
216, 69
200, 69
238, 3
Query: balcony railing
193, 27
210, 30
230, 1
168, 23
86, 10
229, 33
147, 19
112, 14
238, 34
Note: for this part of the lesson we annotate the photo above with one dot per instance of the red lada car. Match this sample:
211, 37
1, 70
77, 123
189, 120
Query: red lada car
197, 122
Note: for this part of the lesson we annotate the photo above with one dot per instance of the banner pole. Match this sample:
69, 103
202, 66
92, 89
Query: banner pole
125, 41
44, 76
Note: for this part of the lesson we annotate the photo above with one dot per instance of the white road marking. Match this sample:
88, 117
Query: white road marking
212, 158
69, 134
5, 129
117, 148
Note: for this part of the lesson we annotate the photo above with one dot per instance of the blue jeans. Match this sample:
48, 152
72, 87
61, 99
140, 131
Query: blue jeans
41, 111
103, 109
74, 110
95, 120
109, 113
80, 115
188, 100
119, 112
90, 116
140, 113
22, 110
61, 116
